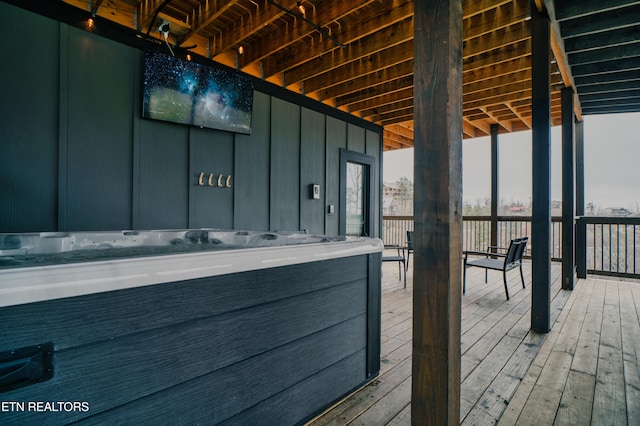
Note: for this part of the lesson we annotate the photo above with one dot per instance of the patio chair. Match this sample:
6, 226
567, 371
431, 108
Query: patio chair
509, 259
399, 257
409, 248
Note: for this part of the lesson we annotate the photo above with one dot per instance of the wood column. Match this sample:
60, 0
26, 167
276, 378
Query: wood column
495, 195
541, 153
435, 397
568, 191
581, 227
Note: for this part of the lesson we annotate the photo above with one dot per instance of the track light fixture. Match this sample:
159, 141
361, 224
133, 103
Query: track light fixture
300, 15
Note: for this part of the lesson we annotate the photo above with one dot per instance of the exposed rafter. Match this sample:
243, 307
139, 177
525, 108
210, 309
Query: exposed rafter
595, 48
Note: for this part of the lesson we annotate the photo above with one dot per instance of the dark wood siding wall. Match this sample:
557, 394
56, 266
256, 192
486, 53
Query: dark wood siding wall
76, 155
262, 347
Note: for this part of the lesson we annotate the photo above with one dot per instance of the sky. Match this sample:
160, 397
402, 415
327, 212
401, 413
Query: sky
612, 163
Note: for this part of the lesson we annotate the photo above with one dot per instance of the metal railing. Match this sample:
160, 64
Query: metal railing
612, 243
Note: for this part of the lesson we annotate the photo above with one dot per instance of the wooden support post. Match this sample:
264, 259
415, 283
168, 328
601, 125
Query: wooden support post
568, 191
581, 227
437, 91
495, 196
541, 150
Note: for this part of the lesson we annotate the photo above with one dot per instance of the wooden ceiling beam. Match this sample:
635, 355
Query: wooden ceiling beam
505, 53
475, 7
382, 109
387, 98
391, 54
387, 37
401, 130
396, 137
497, 69
399, 57
375, 91
388, 116
298, 33
209, 12
493, 19
497, 82
526, 120
398, 119
468, 129
502, 37
247, 26
366, 27
496, 119
391, 36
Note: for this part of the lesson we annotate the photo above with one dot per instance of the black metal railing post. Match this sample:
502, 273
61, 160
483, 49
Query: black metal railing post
581, 248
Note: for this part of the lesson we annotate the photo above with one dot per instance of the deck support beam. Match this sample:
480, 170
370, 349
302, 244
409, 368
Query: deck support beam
495, 195
568, 191
541, 154
435, 393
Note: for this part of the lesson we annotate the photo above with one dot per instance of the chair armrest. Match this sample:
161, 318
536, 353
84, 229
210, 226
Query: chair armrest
482, 253
396, 247
497, 248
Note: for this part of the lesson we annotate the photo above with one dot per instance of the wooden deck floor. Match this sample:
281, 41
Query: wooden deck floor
585, 371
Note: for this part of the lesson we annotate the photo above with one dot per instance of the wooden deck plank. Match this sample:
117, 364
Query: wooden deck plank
609, 402
576, 402
544, 400
513, 375
630, 320
385, 409
403, 418
357, 403
493, 402
585, 359
519, 400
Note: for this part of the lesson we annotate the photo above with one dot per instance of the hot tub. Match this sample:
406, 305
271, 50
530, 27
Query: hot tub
187, 326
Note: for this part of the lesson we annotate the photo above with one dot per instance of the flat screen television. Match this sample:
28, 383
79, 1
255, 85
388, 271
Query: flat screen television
187, 92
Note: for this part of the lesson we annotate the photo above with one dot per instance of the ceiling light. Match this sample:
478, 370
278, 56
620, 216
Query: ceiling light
240, 50
301, 8
90, 22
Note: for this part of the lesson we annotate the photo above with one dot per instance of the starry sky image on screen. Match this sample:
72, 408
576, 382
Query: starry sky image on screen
187, 92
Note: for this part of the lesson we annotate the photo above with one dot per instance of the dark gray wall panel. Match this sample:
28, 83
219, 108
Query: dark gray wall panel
336, 139
28, 129
312, 170
356, 138
92, 163
285, 166
99, 120
163, 178
252, 153
211, 154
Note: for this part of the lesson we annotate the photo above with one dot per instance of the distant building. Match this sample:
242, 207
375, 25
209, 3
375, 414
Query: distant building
395, 201
617, 211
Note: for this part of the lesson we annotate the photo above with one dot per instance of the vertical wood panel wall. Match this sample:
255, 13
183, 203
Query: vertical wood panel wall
76, 154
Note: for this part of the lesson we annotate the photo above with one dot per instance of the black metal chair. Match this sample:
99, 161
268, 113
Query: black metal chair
509, 259
409, 248
399, 257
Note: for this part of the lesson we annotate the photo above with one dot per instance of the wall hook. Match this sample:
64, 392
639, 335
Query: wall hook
228, 184
220, 180
200, 179
211, 179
